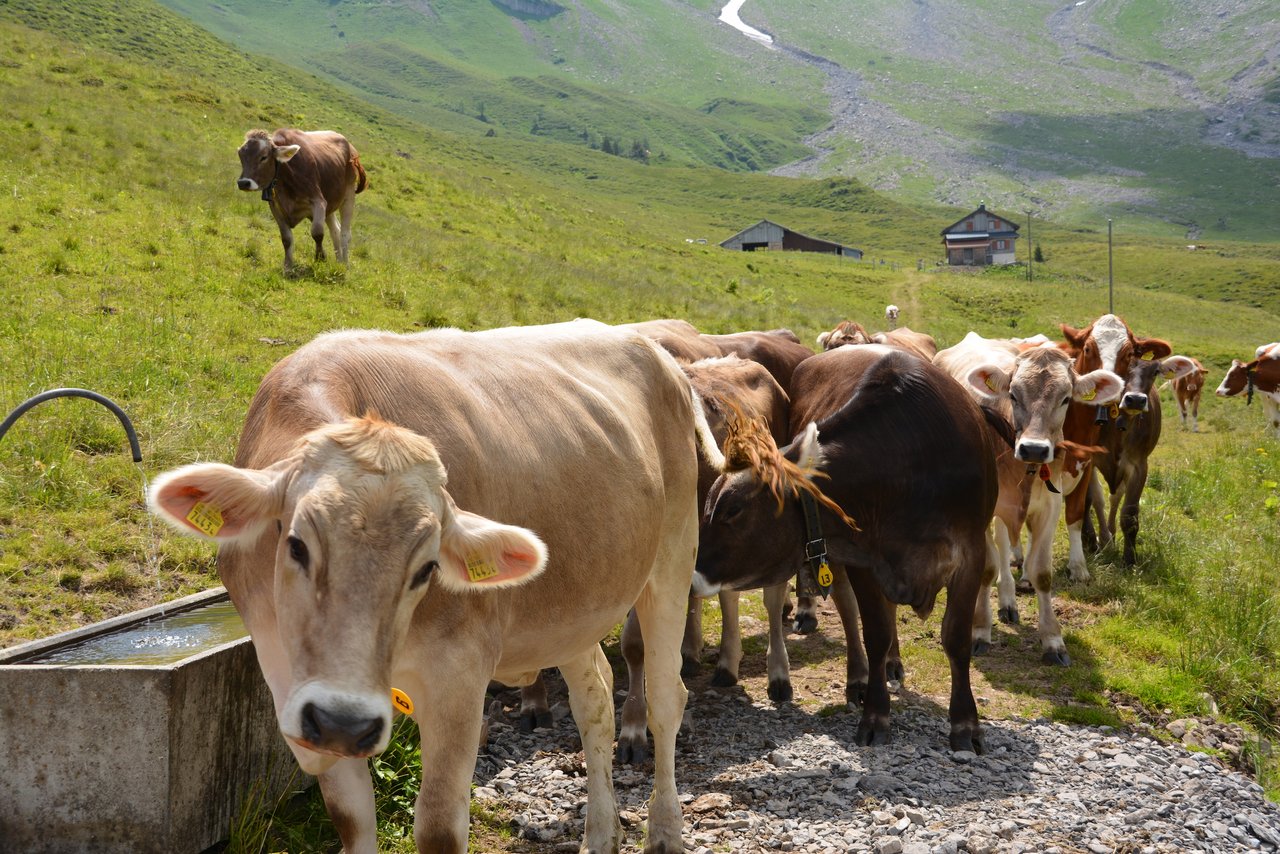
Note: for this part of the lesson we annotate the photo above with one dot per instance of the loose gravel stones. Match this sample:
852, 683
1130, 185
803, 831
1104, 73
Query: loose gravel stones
756, 778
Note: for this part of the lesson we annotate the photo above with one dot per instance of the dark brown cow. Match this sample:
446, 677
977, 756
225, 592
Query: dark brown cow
1261, 376
1186, 391
305, 175
908, 459
1129, 438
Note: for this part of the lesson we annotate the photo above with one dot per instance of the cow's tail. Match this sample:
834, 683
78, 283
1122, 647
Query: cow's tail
706, 440
362, 180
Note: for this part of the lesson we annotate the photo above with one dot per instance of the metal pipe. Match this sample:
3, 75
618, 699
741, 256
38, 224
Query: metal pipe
76, 392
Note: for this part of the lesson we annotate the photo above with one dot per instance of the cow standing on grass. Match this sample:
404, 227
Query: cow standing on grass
1186, 391
517, 493
311, 175
1261, 376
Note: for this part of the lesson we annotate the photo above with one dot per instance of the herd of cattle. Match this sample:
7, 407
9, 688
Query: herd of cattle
412, 516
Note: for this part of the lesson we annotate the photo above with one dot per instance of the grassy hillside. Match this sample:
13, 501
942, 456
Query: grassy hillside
133, 267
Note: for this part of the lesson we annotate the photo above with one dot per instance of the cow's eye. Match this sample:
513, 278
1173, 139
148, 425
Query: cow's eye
298, 552
424, 572
1065, 401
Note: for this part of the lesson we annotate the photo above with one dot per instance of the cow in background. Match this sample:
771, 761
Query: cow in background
891, 315
850, 332
1130, 437
311, 175
846, 332
1186, 391
1262, 375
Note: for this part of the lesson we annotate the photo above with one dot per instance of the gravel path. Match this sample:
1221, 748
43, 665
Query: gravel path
759, 778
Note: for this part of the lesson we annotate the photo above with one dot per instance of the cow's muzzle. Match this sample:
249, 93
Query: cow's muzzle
703, 587
1033, 451
1134, 402
333, 731
246, 183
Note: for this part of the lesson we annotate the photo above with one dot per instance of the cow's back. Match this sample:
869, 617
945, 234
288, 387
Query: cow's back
324, 162
579, 431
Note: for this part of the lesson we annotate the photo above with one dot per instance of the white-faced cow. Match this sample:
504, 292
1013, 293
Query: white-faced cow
1260, 376
311, 175
517, 493
1129, 438
1186, 391
901, 449
1031, 387
891, 315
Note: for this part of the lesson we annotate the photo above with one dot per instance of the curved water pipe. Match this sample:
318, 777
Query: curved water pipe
76, 392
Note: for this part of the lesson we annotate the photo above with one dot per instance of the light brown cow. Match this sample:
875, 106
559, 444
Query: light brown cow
311, 175
846, 332
406, 550
1031, 387
1186, 391
905, 338
1261, 376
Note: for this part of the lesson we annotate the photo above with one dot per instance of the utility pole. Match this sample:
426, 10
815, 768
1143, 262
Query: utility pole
1111, 295
1030, 253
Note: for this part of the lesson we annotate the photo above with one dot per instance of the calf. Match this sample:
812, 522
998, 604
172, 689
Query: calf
1129, 438
908, 484
305, 175
1262, 375
1186, 391
519, 491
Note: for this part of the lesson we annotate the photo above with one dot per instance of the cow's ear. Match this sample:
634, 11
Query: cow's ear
1097, 387
478, 553
217, 501
823, 338
286, 152
989, 381
1147, 349
1176, 367
1074, 337
809, 449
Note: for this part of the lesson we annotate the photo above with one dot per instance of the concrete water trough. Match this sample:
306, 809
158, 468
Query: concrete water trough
143, 733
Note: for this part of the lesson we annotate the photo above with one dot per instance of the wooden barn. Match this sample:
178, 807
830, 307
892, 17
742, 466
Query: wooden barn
979, 239
769, 235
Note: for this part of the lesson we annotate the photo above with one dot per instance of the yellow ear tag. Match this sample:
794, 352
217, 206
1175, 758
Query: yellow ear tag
1148, 356
206, 518
1114, 410
401, 701
480, 568
1090, 394
991, 384
824, 574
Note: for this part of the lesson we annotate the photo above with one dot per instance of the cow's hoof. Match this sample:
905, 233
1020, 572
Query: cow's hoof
805, 623
633, 751
780, 690
529, 721
870, 735
722, 678
894, 671
689, 667
981, 647
662, 848
1056, 657
856, 694
968, 738
1009, 616
1024, 585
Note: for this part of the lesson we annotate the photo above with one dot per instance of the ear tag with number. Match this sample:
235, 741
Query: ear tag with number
1148, 356
825, 578
991, 384
1090, 394
205, 518
480, 568
400, 700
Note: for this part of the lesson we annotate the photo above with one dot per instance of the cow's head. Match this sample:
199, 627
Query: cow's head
846, 332
1236, 379
366, 529
1043, 383
746, 539
1145, 369
260, 159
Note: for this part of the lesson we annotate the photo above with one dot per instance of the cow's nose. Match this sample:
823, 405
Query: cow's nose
1134, 401
244, 183
1033, 451
339, 732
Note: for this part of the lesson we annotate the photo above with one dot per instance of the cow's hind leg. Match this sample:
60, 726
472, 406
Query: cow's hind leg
590, 682
691, 646
957, 627
855, 689
806, 620
877, 632
633, 744
535, 710
981, 639
343, 247
347, 788
318, 216
335, 234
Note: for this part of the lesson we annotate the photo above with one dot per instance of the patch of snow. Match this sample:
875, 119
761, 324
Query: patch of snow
729, 14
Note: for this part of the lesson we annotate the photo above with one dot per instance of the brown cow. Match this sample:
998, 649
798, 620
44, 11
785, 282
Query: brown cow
1262, 376
846, 332
1186, 391
905, 338
305, 175
1129, 438
907, 458
520, 492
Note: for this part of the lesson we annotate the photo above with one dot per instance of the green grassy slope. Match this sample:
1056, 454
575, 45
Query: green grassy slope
132, 266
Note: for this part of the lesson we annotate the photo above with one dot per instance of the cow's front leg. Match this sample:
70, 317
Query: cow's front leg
855, 689
450, 721
589, 679
286, 239
318, 216
347, 788
779, 665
